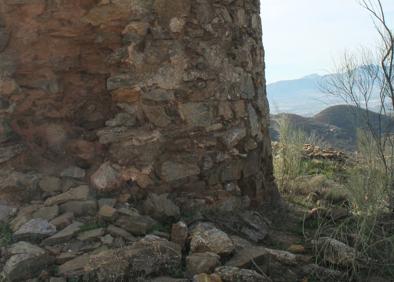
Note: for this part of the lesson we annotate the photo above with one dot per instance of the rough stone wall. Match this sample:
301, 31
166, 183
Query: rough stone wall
145, 95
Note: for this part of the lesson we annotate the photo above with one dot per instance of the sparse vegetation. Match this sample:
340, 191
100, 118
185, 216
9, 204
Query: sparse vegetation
352, 201
288, 162
92, 225
5, 235
160, 227
369, 181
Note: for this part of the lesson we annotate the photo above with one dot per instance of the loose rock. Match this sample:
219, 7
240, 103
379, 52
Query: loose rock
74, 172
161, 208
244, 258
234, 274
80, 208
26, 262
206, 238
47, 213
202, 262
63, 220
335, 252
179, 233
107, 212
150, 255
35, 229
119, 232
75, 194
135, 223
50, 184
6, 212
106, 178
64, 235
91, 234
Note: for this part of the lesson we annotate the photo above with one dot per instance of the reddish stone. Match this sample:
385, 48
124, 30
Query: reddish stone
126, 95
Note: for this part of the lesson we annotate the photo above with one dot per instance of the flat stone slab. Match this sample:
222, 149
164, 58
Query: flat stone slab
79, 193
91, 234
64, 235
244, 257
35, 229
27, 261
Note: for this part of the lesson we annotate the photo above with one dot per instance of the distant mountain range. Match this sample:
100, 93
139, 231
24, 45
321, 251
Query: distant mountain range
336, 126
300, 96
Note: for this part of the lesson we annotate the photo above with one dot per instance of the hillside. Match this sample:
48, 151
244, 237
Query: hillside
350, 118
336, 126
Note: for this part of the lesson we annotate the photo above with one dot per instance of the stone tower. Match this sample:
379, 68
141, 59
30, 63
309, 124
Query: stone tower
162, 96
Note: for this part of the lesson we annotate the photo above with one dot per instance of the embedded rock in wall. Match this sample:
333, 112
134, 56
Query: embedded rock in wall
147, 94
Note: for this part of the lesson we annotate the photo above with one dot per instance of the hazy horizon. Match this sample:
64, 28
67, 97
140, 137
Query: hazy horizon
306, 36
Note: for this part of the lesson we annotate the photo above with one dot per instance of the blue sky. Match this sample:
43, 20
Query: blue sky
302, 37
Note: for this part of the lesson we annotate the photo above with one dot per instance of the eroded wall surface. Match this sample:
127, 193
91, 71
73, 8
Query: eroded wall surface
142, 95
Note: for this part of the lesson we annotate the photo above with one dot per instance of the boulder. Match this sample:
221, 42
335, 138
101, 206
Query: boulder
74, 267
107, 178
26, 262
207, 238
135, 223
91, 234
80, 208
202, 262
18, 184
235, 274
79, 193
64, 235
335, 252
119, 232
107, 212
63, 220
247, 256
47, 213
24, 215
243, 258
284, 257
35, 229
179, 233
161, 208
50, 184
296, 249
251, 225
74, 172
107, 240
148, 256
204, 277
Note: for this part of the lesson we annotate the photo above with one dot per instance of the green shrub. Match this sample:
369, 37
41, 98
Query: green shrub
288, 157
5, 235
370, 229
